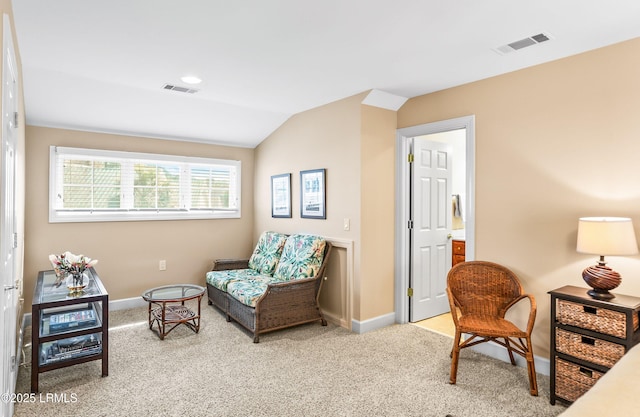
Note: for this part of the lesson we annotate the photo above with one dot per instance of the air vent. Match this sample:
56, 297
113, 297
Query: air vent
179, 89
523, 43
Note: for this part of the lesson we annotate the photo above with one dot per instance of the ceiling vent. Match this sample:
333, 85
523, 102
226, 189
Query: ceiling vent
523, 43
179, 89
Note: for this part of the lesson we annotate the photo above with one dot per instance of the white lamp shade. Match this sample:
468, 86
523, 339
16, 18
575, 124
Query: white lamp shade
606, 236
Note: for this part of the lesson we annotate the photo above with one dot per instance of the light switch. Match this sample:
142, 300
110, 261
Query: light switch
347, 224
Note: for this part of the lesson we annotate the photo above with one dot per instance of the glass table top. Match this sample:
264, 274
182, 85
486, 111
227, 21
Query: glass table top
173, 292
51, 289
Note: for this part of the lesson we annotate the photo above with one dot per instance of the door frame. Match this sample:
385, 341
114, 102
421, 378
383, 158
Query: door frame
402, 253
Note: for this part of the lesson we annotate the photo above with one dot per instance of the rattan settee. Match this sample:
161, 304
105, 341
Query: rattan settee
277, 287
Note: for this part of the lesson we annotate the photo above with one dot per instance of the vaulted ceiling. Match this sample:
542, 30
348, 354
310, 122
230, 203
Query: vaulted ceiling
103, 65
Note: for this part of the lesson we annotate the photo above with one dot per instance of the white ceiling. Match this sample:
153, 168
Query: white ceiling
101, 65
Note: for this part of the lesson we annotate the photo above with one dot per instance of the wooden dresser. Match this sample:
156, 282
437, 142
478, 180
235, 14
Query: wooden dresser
458, 252
588, 337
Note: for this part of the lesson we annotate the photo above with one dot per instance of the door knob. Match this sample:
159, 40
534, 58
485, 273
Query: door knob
449, 236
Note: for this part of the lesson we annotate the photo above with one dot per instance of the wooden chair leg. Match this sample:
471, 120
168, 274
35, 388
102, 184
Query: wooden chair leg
455, 355
511, 358
531, 367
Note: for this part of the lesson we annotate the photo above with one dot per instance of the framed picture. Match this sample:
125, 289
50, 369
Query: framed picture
313, 194
281, 195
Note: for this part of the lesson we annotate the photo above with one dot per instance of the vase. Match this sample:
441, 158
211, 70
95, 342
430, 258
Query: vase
77, 279
76, 282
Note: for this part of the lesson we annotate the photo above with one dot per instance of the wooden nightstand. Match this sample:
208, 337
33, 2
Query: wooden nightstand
588, 337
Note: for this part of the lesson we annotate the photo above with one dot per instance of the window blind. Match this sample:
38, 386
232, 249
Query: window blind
90, 184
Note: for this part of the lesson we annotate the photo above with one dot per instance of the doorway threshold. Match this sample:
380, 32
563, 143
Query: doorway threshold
442, 324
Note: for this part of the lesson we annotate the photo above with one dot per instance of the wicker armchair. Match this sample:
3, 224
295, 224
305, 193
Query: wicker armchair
480, 293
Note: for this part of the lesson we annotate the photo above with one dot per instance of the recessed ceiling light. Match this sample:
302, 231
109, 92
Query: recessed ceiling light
191, 79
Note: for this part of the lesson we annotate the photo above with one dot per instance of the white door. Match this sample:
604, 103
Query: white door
431, 232
8, 243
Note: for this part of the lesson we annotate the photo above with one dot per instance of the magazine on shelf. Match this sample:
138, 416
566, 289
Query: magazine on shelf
69, 319
71, 348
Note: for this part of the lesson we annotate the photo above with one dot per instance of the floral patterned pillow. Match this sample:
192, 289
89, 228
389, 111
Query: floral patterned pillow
301, 257
267, 253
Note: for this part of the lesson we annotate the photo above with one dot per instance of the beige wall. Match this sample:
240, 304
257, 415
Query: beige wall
378, 176
553, 143
354, 143
128, 252
324, 137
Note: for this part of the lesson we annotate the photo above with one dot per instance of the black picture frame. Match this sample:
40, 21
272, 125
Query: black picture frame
313, 196
281, 195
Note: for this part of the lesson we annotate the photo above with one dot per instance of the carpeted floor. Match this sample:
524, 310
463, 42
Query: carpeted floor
310, 370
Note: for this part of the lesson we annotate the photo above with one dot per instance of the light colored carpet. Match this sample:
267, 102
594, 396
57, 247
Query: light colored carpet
310, 370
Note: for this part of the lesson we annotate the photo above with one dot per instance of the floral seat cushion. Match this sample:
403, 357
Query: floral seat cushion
301, 257
247, 291
220, 279
267, 252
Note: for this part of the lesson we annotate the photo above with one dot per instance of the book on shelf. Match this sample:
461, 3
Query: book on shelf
69, 319
71, 348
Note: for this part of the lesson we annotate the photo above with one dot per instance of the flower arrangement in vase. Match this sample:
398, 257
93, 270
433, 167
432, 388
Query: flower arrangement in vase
74, 266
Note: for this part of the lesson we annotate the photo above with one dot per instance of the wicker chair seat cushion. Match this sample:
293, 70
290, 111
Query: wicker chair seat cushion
490, 326
221, 279
301, 257
266, 255
248, 291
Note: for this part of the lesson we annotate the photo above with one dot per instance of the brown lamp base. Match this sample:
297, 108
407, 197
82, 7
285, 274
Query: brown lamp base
602, 279
600, 294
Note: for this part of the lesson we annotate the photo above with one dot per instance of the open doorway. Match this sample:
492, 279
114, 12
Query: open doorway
418, 265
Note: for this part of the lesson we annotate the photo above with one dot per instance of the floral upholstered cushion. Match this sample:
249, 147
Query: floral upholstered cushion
247, 291
267, 252
220, 279
301, 257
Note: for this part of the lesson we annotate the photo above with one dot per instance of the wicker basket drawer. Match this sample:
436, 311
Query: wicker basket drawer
573, 380
600, 320
589, 349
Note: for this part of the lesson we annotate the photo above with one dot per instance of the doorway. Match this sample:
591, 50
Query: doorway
430, 225
405, 268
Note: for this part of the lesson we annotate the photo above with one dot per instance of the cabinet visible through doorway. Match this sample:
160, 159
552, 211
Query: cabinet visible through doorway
458, 252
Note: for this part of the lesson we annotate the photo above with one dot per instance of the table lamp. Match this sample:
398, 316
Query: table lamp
605, 236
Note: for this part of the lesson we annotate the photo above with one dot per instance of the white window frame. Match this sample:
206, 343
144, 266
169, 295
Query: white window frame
57, 215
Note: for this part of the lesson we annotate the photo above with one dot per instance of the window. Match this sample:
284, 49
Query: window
95, 185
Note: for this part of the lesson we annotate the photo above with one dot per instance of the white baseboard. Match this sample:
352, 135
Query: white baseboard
127, 303
373, 324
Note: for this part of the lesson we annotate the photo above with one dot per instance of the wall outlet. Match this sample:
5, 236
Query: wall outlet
163, 265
